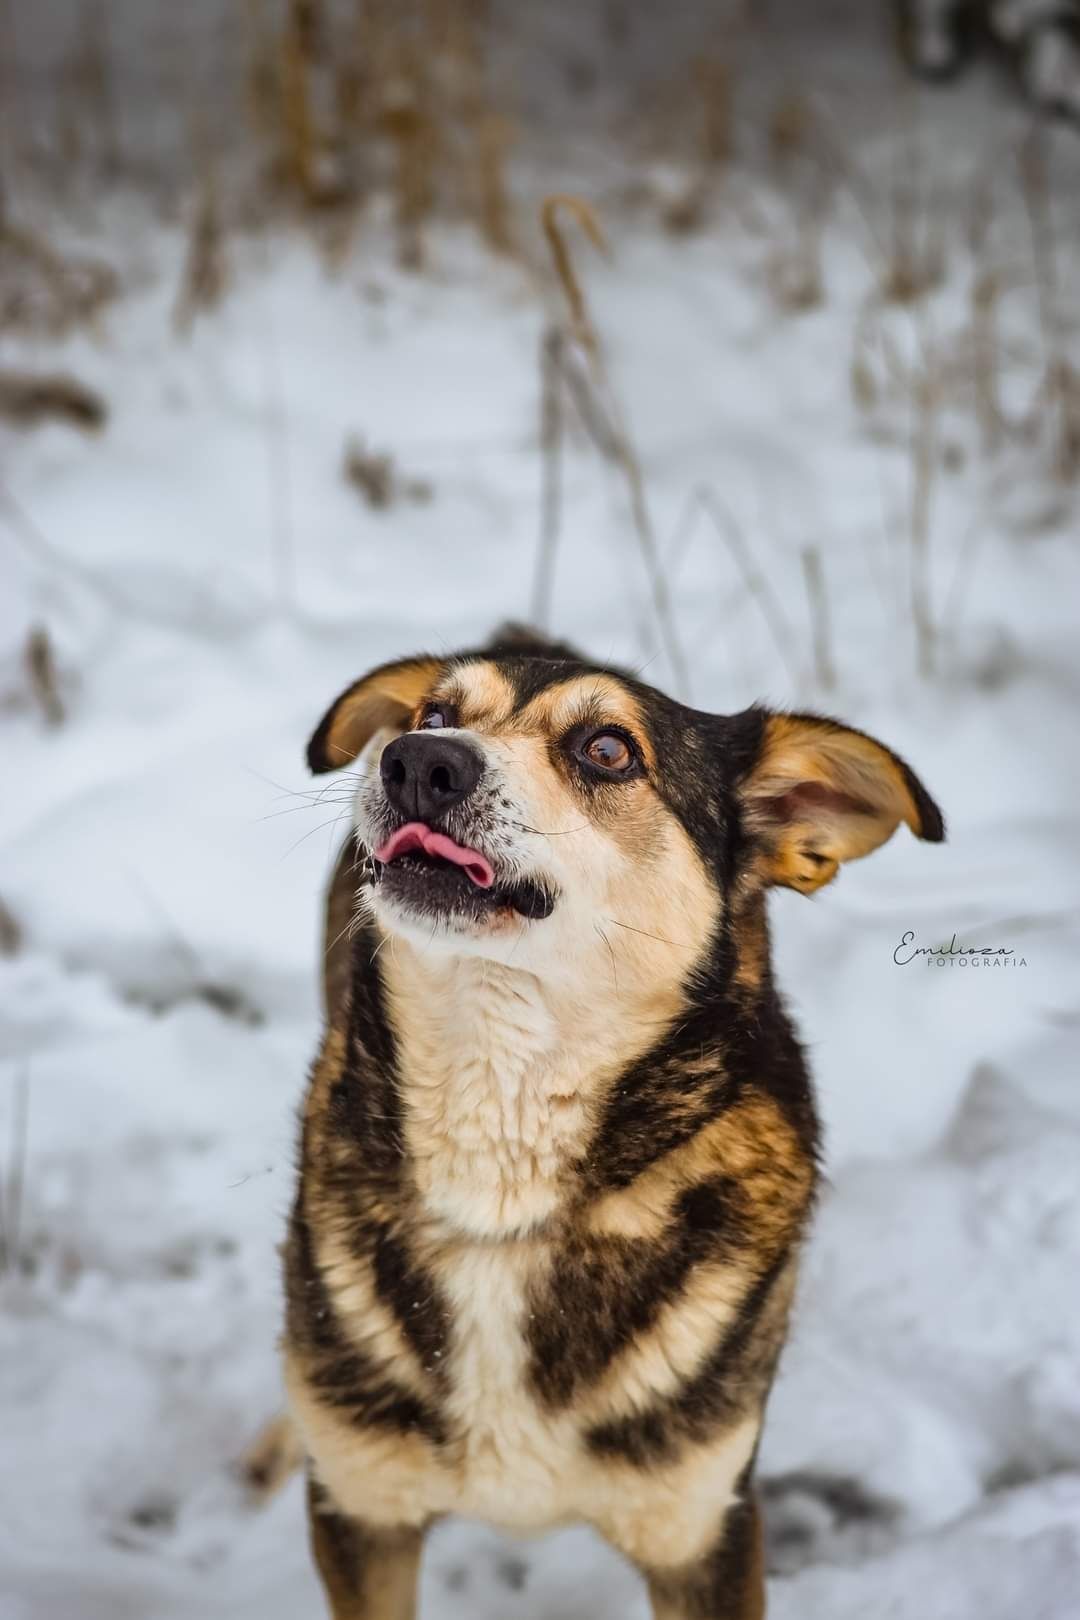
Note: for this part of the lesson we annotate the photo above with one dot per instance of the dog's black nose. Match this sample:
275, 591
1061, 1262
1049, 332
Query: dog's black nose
425, 775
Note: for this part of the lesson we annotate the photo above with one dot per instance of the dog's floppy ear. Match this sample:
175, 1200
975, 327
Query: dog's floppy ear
821, 793
386, 697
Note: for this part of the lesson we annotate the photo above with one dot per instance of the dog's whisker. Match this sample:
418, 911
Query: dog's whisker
349, 929
562, 832
611, 953
339, 778
678, 943
311, 804
335, 821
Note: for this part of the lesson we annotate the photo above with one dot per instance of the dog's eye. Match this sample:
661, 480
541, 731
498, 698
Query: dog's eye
608, 749
437, 715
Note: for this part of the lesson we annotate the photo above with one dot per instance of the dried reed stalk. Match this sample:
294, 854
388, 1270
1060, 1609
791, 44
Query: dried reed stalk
756, 581
205, 276
924, 464
820, 636
13, 1186
1061, 381
10, 932
551, 448
40, 661
610, 435
985, 296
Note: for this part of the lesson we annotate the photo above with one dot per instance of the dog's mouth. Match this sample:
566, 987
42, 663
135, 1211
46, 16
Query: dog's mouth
428, 871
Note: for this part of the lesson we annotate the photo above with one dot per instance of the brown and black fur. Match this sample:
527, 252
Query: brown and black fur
603, 1349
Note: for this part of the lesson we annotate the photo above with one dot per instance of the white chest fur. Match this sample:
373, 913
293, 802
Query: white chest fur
493, 1097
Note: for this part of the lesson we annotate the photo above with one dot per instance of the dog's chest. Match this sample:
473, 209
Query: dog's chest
515, 1462
493, 1104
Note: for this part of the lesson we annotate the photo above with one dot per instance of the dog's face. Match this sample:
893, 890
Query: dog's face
523, 804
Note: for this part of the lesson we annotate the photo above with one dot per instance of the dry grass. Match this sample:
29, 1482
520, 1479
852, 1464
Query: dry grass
714, 84
90, 80
904, 370
494, 136
791, 126
1060, 392
406, 119
577, 363
393, 99
45, 292
39, 659
10, 932
375, 476
708, 502
386, 97
986, 290
205, 275
817, 598
794, 271
925, 462
13, 1182
28, 398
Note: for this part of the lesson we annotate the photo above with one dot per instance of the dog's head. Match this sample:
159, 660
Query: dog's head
522, 803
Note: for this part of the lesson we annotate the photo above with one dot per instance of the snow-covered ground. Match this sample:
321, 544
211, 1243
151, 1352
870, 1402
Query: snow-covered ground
209, 580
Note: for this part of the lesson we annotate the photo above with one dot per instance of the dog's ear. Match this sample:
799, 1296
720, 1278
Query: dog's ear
821, 793
386, 697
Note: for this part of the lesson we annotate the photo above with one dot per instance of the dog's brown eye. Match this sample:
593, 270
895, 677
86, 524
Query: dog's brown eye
609, 750
437, 715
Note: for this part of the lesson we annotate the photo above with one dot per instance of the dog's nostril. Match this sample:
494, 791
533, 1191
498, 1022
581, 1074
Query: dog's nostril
440, 780
395, 773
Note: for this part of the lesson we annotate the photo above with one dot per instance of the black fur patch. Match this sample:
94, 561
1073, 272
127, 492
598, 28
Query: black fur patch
365, 1101
341, 1375
602, 1292
413, 1298
717, 1394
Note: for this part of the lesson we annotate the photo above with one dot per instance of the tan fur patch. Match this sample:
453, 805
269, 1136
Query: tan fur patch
669, 1516
378, 1475
481, 694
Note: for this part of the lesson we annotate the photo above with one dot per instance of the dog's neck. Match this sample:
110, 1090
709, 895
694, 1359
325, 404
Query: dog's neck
500, 1073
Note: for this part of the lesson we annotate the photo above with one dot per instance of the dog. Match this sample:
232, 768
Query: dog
559, 1150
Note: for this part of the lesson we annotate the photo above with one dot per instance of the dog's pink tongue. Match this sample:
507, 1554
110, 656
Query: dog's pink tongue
417, 835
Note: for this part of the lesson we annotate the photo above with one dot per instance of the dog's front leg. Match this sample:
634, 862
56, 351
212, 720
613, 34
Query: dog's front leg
369, 1572
728, 1583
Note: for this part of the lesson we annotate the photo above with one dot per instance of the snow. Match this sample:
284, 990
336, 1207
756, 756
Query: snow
209, 581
